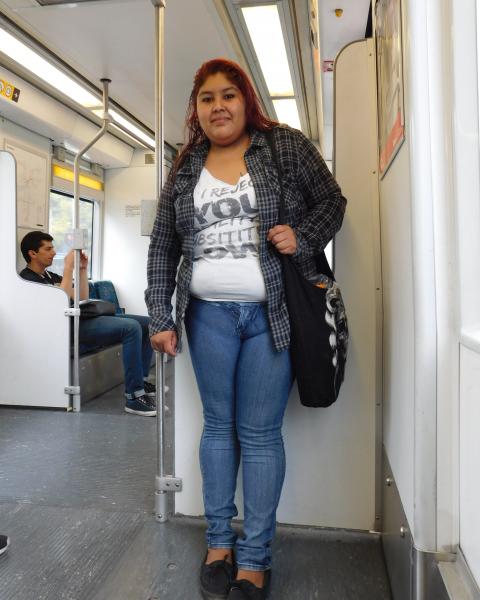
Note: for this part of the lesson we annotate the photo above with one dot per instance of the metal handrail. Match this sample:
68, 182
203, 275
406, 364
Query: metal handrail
161, 485
79, 244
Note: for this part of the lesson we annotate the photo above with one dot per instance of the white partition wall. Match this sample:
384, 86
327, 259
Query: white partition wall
466, 37
430, 247
331, 452
420, 281
34, 332
124, 252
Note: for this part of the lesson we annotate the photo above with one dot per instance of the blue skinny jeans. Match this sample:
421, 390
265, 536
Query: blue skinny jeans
132, 332
244, 385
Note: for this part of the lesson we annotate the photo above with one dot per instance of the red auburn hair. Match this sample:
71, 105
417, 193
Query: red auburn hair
255, 119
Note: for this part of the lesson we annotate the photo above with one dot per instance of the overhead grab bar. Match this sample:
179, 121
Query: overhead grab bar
79, 245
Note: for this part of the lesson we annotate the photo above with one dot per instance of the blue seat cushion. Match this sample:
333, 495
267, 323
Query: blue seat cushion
106, 291
92, 292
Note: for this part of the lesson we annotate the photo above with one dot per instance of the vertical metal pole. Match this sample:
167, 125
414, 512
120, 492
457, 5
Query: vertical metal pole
159, 138
161, 496
79, 244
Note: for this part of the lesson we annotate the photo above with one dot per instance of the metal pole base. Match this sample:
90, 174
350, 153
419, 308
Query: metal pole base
161, 509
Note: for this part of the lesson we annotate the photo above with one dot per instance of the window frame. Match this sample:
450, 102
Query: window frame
94, 259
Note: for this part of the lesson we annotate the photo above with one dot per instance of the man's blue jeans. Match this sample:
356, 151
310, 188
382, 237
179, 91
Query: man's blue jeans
244, 385
132, 332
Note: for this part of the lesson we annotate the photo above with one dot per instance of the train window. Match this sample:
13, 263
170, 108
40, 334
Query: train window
60, 227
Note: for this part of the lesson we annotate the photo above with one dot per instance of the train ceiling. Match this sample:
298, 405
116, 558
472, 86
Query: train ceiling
115, 39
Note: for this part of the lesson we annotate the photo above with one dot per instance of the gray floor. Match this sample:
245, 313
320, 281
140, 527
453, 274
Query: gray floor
76, 499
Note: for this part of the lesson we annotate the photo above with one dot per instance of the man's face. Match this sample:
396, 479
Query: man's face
44, 256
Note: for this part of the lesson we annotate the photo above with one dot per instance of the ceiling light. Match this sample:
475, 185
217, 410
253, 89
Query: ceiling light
134, 139
58, 2
265, 30
129, 126
139, 136
25, 56
287, 112
55, 77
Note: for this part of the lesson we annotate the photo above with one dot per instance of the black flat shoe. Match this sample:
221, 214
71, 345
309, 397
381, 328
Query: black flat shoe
245, 590
216, 579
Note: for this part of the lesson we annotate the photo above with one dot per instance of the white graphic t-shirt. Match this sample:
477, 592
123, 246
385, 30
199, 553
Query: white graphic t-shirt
226, 262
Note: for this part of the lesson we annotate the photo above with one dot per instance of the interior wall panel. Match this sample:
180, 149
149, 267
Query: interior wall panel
125, 250
34, 364
399, 309
470, 458
398, 327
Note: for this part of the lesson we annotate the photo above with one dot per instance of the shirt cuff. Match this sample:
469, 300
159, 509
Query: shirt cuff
161, 323
304, 250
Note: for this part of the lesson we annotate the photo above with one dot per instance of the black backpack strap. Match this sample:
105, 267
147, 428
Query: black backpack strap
321, 261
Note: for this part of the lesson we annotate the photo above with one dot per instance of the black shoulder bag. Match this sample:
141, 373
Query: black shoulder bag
318, 322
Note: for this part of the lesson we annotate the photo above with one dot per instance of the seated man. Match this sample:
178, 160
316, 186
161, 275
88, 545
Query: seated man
131, 330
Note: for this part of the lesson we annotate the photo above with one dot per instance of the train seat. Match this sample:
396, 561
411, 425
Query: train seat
92, 292
105, 290
100, 367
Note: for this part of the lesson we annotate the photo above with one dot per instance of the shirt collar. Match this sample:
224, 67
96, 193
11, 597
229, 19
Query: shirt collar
198, 154
257, 138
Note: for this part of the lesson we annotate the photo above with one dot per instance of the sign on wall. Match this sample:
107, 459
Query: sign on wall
391, 114
33, 172
9, 91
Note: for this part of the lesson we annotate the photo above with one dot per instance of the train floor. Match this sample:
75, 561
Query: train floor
76, 499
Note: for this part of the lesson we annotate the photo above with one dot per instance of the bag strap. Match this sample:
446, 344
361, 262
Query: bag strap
320, 259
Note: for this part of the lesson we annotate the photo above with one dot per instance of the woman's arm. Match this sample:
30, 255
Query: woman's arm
163, 256
324, 200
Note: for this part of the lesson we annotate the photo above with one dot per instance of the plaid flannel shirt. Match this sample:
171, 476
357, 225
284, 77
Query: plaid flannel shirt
314, 209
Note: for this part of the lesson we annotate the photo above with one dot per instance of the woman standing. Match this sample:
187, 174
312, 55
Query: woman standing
219, 211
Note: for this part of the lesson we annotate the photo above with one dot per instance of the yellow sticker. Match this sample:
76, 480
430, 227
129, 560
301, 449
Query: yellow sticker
9, 91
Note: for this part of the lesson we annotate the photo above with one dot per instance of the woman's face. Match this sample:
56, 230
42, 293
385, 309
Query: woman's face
221, 110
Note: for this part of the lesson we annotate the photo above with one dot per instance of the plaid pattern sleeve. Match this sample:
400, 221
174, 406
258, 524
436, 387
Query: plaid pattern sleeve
321, 193
163, 257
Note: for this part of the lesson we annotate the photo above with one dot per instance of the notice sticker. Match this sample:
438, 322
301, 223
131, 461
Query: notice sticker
132, 210
9, 91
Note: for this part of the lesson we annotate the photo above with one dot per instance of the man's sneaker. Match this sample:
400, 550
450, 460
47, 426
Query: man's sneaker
141, 406
4, 543
151, 388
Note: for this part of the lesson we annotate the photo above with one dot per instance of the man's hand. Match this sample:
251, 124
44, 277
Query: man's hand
83, 261
68, 261
165, 341
283, 238
67, 280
